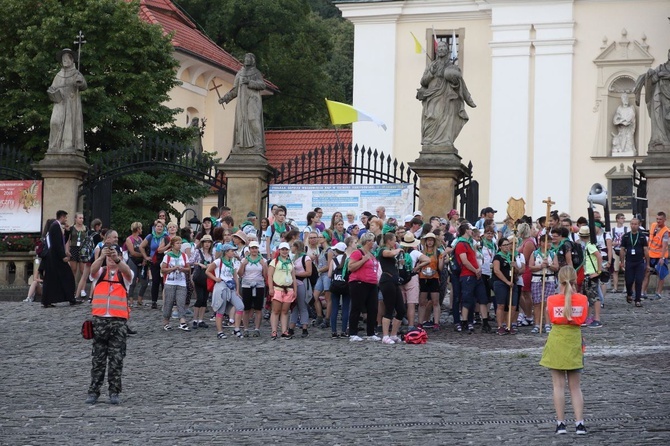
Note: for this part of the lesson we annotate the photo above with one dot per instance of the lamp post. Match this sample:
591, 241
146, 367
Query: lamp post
193, 222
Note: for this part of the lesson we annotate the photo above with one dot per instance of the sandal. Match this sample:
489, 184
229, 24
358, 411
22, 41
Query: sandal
638, 303
274, 335
629, 299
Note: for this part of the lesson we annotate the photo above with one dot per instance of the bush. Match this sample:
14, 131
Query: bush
18, 243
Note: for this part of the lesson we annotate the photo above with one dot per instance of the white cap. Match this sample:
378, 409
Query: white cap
408, 218
340, 247
284, 245
418, 214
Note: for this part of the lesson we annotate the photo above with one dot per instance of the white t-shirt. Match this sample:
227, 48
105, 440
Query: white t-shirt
224, 271
414, 255
253, 274
175, 277
617, 234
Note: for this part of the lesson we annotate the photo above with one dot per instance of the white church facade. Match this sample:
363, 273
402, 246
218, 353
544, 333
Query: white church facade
547, 77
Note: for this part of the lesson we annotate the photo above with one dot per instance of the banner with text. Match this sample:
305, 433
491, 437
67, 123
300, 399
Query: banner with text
299, 199
20, 206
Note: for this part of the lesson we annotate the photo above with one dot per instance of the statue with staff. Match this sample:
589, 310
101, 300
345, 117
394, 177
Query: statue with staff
66, 134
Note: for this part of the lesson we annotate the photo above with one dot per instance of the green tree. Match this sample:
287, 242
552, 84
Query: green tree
296, 49
128, 65
130, 70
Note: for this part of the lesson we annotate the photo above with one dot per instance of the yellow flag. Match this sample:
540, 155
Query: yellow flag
346, 114
418, 49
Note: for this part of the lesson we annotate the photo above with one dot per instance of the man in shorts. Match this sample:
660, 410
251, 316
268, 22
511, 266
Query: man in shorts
472, 286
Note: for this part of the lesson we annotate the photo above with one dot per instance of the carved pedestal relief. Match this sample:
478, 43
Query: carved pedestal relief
621, 126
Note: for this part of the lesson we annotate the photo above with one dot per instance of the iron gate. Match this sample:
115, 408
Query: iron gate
466, 196
152, 155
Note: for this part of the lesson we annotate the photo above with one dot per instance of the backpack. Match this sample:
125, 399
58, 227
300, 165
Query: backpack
577, 255
454, 263
416, 336
405, 273
41, 247
87, 248
338, 284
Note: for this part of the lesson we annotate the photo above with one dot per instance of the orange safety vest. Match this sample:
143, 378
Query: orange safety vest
556, 307
110, 298
656, 241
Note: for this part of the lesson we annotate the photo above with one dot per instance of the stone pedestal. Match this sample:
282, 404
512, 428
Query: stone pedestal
247, 176
62, 175
656, 167
439, 170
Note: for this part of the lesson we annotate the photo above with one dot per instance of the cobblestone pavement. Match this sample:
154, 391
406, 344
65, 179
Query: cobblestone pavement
182, 388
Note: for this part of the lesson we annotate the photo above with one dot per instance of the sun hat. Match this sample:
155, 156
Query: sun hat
584, 231
429, 235
242, 236
409, 241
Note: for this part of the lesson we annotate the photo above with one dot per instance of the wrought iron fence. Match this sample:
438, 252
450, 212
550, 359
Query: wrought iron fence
15, 165
340, 164
466, 195
640, 202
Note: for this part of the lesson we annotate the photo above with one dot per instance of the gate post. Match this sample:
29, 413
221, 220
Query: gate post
247, 176
656, 168
63, 174
439, 172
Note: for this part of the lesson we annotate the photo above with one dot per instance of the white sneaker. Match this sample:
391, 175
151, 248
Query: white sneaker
396, 339
374, 338
28, 299
83, 293
355, 338
387, 340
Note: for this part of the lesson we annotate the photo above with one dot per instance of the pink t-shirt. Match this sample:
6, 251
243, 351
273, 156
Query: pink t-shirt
366, 273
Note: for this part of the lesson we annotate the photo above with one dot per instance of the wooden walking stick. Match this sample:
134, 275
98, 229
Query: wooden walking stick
548, 202
515, 209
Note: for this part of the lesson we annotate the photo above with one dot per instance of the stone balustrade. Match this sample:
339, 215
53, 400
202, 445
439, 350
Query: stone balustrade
23, 263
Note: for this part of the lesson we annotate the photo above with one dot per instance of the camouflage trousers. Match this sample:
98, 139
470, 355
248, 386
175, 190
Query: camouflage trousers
109, 347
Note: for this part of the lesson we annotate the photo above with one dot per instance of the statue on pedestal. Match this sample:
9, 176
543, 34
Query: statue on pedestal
443, 93
249, 133
67, 121
656, 83
623, 142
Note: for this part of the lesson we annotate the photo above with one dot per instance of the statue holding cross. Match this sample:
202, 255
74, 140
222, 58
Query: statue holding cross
249, 134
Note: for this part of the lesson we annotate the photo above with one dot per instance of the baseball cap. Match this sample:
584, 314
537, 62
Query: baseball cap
418, 214
489, 209
251, 214
254, 244
228, 247
340, 247
284, 245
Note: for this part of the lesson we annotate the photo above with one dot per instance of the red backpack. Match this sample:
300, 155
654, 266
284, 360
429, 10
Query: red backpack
416, 336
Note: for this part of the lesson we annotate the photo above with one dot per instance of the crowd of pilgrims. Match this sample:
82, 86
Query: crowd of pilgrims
358, 268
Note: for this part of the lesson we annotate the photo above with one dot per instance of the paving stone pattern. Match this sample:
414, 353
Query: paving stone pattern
192, 388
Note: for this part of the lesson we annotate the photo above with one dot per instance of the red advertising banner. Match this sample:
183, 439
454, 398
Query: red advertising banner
20, 206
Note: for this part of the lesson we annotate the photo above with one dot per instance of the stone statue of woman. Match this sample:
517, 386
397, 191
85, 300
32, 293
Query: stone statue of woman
443, 93
67, 120
656, 83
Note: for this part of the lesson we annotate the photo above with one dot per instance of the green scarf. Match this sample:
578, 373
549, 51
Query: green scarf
229, 264
279, 229
158, 237
388, 228
254, 262
284, 264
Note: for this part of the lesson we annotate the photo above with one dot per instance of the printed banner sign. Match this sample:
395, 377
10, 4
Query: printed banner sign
299, 199
20, 206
